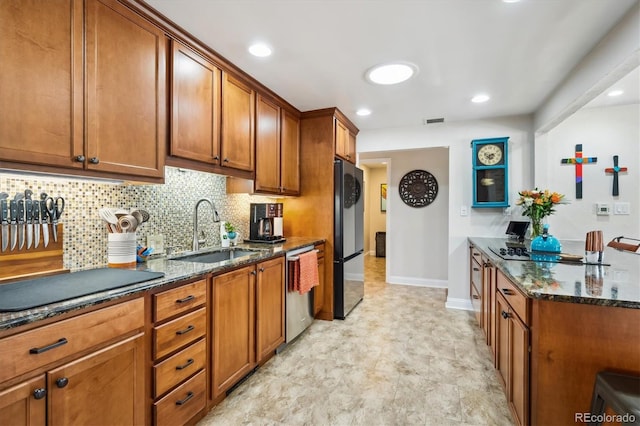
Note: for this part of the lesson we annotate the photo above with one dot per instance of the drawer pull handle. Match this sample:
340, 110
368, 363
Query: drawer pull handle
505, 315
185, 331
476, 269
475, 296
186, 299
60, 342
476, 254
508, 292
186, 398
62, 382
185, 365
39, 393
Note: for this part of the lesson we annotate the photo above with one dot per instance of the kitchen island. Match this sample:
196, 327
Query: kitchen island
553, 325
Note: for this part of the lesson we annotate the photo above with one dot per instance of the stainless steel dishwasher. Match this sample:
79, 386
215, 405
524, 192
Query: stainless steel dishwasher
298, 307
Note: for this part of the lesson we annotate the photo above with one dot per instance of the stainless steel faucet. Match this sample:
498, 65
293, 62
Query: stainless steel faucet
216, 218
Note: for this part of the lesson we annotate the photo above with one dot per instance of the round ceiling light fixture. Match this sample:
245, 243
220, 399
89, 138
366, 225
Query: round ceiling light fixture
260, 50
480, 98
363, 112
391, 73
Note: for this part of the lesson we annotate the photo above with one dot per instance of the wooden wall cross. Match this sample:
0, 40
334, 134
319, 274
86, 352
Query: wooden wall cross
615, 170
578, 160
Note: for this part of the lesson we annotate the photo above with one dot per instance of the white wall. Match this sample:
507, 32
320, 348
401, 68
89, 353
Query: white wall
456, 136
603, 133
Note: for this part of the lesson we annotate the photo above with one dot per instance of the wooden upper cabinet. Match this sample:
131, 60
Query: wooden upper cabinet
195, 100
267, 146
351, 148
290, 154
126, 91
41, 81
342, 141
238, 132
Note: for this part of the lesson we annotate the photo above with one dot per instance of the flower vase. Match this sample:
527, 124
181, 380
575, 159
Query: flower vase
536, 227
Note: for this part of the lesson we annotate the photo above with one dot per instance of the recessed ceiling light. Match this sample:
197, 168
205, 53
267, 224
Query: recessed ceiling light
615, 93
510, 1
362, 112
260, 50
391, 73
478, 99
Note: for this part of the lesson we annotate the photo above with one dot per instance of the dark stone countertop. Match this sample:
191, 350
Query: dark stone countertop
174, 271
617, 283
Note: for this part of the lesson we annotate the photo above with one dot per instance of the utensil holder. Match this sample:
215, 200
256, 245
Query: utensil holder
121, 250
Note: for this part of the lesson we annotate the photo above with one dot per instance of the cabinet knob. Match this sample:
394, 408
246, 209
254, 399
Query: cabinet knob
62, 382
226, 160
39, 393
254, 273
80, 158
94, 160
217, 157
505, 315
261, 269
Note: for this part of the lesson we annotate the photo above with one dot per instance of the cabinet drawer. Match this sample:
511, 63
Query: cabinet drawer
475, 254
476, 274
476, 302
178, 300
518, 301
36, 348
183, 403
179, 332
175, 369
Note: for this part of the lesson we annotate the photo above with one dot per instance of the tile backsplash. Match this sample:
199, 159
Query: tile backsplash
170, 207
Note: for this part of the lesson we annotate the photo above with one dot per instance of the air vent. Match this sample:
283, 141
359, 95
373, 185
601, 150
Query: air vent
426, 121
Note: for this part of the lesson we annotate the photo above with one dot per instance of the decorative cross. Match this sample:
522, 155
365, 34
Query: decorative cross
615, 170
578, 161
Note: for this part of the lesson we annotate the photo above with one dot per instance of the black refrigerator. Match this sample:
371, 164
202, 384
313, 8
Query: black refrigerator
348, 263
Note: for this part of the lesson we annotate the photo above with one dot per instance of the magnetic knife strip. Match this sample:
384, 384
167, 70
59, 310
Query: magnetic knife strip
27, 222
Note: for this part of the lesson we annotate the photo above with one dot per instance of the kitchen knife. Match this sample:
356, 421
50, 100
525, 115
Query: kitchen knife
43, 221
20, 218
28, 213
4, 223
13, 207
36, 223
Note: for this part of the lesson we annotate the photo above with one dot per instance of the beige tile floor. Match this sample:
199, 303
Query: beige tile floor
400, 358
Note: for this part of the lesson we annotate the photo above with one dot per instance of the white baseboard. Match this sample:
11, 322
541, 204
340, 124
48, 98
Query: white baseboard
461, 304
419, 282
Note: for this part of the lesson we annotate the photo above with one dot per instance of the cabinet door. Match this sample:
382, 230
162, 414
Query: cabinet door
318, 291
41, 82
267, 146
238, 107
518, 389
126, 91
351, 148
105, 386
502, 340
233, 327
487, 280
195, 117
290, 154
342, 140
269, 307
24, 404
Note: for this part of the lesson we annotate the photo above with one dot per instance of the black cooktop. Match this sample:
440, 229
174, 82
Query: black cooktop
512, 251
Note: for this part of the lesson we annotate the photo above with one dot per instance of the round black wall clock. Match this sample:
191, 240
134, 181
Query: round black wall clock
418, 188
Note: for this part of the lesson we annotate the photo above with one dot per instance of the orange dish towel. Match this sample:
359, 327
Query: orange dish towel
308, 272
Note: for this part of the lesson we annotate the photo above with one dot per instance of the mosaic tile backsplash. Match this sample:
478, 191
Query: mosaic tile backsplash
170, 207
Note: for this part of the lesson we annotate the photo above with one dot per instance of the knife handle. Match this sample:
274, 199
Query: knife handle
20, 215
14, 210
43, 212
28, 209
3, 211
36, 211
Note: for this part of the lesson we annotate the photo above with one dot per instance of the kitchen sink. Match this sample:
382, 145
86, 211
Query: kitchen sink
216, 256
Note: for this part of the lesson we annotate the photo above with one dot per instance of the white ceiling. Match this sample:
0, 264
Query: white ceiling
515, 52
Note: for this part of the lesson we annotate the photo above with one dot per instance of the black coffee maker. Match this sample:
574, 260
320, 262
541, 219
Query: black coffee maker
266, 223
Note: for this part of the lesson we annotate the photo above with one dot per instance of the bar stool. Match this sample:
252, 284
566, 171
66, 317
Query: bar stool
620, 392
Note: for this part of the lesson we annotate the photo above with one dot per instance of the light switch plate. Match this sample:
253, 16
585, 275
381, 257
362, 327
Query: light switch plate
622, 208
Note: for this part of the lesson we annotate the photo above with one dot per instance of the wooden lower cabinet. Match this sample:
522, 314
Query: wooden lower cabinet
512, 357
233, 327
25, 403
105, 385
270, 320
318, 291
